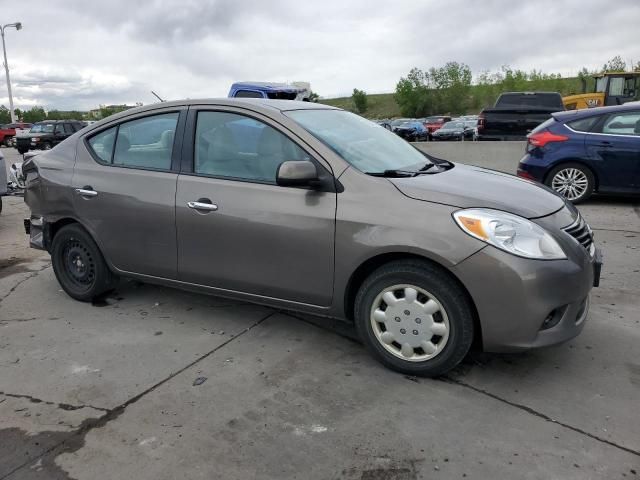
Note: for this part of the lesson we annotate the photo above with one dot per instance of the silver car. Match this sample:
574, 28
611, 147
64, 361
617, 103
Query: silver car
310, 208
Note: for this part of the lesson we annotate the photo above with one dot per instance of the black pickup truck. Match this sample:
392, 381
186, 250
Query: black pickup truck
47, 134
515, 114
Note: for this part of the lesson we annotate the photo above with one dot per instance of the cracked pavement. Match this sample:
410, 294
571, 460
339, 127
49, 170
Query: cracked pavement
155, 383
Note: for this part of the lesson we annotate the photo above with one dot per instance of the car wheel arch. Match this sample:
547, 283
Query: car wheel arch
54, 227
367, 267
578, 161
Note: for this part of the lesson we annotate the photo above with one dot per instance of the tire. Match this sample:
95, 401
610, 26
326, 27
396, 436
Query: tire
46, 146
560, 178
90, 277
445, 344
22, 151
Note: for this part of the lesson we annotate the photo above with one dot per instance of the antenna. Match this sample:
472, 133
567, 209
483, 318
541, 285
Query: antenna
157, 96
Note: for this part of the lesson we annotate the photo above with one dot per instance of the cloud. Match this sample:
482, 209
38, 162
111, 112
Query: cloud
117, 51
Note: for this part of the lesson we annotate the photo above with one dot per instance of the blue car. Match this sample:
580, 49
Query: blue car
274, 91
580, 152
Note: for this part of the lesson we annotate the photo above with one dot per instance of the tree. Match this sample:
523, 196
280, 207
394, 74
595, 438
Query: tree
106, 110
615, 64
34, 114
636, 67
67, 115
314, 97
359, 99
413, 95
5, 117
453, 86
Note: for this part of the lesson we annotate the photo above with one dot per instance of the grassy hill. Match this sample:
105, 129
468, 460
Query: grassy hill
384, 105
380, 105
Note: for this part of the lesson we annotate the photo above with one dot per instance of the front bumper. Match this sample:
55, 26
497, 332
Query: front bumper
523, 303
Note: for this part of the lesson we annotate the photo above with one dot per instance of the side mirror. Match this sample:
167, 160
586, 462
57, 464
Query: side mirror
296, 173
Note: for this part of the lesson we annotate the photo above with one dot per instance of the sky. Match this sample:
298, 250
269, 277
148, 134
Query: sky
74, 54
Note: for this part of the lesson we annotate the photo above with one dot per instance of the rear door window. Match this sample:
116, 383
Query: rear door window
68, 129
146, 142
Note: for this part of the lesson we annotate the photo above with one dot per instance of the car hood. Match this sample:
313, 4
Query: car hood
467, 186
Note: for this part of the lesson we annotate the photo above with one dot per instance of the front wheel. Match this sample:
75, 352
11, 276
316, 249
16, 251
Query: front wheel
79, 265
573, 181
414, 318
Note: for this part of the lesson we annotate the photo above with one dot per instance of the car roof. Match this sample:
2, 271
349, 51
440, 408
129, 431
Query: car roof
569, 115
263, 105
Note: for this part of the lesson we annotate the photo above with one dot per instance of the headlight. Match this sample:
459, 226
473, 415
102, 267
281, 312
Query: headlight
35, 139
510, 233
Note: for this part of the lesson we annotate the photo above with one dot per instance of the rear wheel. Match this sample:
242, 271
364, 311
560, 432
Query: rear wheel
573, 181
22, 151
414, 318
79, 265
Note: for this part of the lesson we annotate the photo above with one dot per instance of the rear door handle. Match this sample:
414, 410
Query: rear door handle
86, 192
605, 144
208, 207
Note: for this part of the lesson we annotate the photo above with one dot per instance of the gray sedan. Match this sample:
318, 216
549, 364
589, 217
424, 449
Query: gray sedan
310, 208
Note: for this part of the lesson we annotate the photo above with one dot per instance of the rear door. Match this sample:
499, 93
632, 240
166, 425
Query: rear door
254, 236
614, 147
124, 186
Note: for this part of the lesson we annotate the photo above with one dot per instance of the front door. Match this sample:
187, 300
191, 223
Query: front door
245, 233
614, 146
124, 186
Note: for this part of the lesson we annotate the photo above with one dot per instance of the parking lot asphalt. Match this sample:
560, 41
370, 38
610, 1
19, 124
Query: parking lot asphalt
155, 383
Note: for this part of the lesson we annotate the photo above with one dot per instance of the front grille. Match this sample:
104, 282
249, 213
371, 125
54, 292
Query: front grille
581, 231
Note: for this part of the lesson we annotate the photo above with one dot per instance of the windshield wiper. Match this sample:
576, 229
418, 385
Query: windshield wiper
402, 173
393, 173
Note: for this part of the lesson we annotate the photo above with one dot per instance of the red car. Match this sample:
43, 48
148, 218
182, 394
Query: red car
9, 130
434, 123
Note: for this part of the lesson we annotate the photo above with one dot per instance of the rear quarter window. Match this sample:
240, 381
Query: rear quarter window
584, 124
102, 144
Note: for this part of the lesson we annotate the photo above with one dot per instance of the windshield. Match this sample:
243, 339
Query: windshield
363, 144
453, 126
42, 128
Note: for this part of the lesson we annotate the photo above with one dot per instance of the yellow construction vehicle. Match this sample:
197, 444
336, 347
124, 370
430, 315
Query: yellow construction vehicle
614, 88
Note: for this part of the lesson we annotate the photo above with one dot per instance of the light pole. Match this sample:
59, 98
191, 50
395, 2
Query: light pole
17, 26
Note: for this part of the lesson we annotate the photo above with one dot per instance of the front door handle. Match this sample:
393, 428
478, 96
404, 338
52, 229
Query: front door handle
209, 207
605, 144
86, 192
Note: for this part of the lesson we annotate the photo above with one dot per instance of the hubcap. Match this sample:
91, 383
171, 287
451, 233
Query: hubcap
78, 263
570, 182
410, 323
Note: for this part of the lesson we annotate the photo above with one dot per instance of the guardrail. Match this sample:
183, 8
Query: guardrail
502, 156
